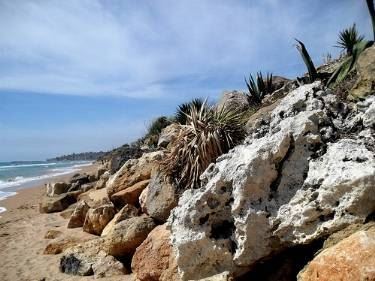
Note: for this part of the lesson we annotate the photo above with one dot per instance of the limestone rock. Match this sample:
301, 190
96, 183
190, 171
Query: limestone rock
95, 198
143, 199
160, 199
366, 69
80, 179
127, 235
56, 188
224, 276
88, 259
79, 214
127, 212
102, 180
290, 185
58, 245
151, 258
351, 259
233, 100
56, 204
66, 214
100, 171
97, 218
129, 195
133, 171
168, 135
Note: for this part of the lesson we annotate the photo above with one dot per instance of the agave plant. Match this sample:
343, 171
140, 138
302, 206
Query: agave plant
313, 74
259, 87
371, 9
208, 133
348, 38
349, 63
183, 110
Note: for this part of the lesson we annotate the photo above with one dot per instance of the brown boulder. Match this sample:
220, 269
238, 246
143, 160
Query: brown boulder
233, 100
79, 214
127, 235
97, 218
168, 135
127, 212
352, 259
129, 195
133, 171
56, 204
56, 188
151, 258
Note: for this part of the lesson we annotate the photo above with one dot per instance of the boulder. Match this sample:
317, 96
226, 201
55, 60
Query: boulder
58, 245
88, 259
102, 180
168, 135
79, 214
99, 172
151, 258
129, 195
66, 214
80, 179
97, 218
95, 198
56, 204
160, 199
233, 100
351, 259
366, 69
56, 188
127, 235
87, 186
143, 199
290, 185
133, 171
127, 212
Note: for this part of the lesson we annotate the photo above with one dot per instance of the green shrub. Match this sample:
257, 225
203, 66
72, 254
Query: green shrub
208, 133
348, 38
258, 87
157, 125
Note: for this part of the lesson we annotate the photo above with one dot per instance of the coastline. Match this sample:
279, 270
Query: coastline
22, 231
27, 193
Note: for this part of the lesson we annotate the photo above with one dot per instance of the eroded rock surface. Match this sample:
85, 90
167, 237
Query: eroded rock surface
306, 173
78, 216
96, 219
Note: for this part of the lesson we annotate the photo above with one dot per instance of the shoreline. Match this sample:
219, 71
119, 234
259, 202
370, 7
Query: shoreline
28, 193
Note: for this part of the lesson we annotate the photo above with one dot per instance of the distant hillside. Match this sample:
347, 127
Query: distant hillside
89, 156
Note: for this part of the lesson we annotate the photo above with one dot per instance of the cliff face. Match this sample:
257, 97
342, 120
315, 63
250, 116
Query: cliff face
307, 170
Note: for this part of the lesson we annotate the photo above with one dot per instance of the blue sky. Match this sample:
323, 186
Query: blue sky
83, 75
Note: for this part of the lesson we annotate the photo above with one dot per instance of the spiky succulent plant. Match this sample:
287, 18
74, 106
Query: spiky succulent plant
313, 74
183, 110
258, 87
371, 9
208, 133
348, 38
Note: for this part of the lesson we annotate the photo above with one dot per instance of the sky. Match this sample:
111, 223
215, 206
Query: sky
90, 75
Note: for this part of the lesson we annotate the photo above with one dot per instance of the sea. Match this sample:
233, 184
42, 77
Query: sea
23, 174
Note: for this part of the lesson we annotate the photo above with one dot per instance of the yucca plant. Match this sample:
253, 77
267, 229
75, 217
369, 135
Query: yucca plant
371, 9
183, 110
313, 74
348, 38
208, 133
258, 87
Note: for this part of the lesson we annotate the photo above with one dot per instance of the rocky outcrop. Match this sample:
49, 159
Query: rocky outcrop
292, 182
151, 258
127, 235
88, 259
78, 216
160, 199
102, 180
233, 100
366, 69
133, 171
129, 195
127, 212
97, 218
168, 135
56, 204
56, 188
351, 259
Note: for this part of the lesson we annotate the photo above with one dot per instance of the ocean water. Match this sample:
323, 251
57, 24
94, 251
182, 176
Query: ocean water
17, 175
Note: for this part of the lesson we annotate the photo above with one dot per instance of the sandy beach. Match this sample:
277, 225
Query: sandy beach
22, 242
